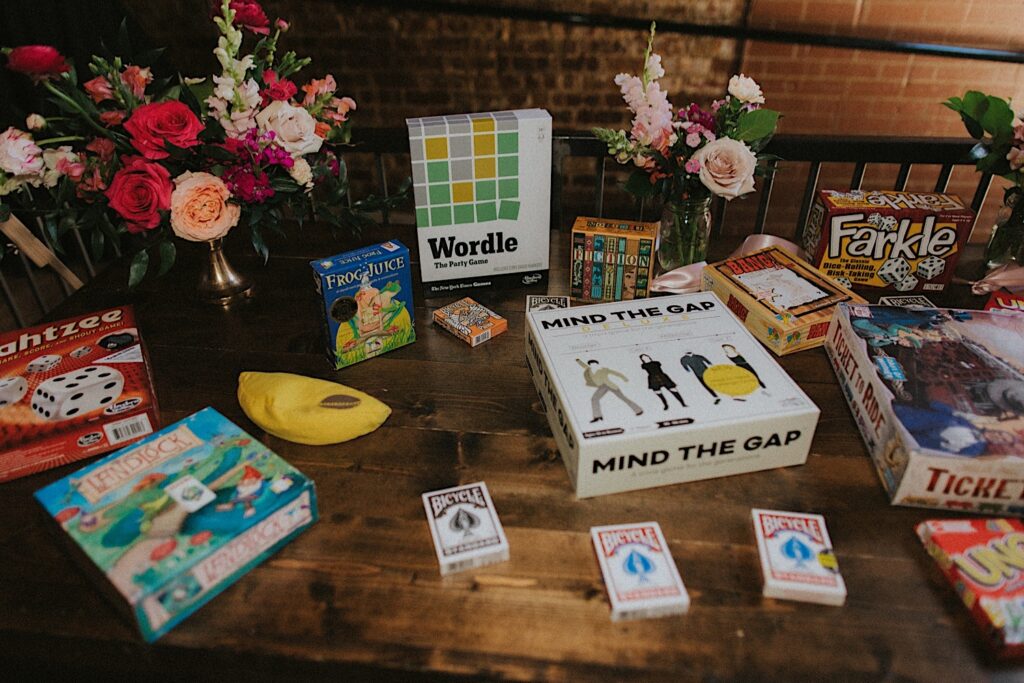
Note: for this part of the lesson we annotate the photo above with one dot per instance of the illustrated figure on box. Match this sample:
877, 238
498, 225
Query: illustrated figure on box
247, 491
739, 361
370, 315
697, 365
600, 378
658, 381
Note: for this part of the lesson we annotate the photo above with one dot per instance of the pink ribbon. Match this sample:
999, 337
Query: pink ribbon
1009, 276
686, 279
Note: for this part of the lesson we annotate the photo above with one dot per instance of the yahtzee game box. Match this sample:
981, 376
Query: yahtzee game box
367, 302
782, 300
482, 184
906, 241
612, 260
662, 391
938, 395
72, 389
173, 520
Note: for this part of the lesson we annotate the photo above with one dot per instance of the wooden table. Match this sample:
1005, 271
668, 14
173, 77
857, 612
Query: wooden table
359, 595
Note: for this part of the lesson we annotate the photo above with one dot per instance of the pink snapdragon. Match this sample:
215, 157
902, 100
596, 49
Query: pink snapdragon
318, 87
338, 108
137, 78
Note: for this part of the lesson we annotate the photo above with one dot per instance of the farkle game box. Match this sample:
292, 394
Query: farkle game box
904, 241
482, 184
72, 389
938, 395
662, 391
170, 522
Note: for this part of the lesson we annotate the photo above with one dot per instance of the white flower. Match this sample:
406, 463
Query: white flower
654, 68
19, 154
727, 167
293, 127
302, 173
745, 90
57, 163
35, 122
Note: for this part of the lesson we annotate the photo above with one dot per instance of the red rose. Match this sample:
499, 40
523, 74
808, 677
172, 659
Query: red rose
152, 124
249, 14
139, 191
276, 89
37, 61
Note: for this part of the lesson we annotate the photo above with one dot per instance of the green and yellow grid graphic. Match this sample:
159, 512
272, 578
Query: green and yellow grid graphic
465, 168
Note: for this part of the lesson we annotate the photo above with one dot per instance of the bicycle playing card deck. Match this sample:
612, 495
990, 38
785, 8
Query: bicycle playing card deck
465, 528
797, 561
639, 573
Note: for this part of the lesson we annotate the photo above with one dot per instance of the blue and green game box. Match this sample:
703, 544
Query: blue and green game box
367, 302
174, 519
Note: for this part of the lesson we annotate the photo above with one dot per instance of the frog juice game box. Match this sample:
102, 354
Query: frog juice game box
663, 391
171, 521
71, 390
904, 241
367, 302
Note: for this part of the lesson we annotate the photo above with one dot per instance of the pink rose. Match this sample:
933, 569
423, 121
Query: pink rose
139, 191
99, 89
151, 125
200, 210
19, 154
293, 127
727, 167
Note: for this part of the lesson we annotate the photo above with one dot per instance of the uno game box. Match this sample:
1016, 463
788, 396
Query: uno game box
983, 560
611, 260
482, 184
784, 301
367, 302
663, 391
171, 521
906, 241
938, 395
73, 389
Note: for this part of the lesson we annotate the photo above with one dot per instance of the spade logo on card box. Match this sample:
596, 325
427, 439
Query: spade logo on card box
90, 439
339, 402
122, 406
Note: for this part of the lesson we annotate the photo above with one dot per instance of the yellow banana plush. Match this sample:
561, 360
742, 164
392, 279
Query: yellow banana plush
307, 410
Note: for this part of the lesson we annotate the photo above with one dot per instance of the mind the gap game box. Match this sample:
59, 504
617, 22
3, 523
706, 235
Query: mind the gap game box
171, 521
73, 389
662, 391
482, 184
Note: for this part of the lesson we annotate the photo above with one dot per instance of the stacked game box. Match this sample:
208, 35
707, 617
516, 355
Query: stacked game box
938, 395
783, 301
611, 260
173, 520
982, 560
367, 302
71, 390
906, 241
662, 391
482, 184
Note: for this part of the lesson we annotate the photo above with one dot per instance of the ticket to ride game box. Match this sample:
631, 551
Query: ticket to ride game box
938, 395
983, 560
71, 390
367, 302
482, 184
612, 260
784, 301
171, 521
663, 391
906, 241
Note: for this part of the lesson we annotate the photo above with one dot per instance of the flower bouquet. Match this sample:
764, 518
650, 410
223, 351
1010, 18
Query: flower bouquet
1000, 151
686, 156
129, 155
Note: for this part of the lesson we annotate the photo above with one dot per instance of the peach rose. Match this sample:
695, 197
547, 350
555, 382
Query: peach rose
199, 207
727, 167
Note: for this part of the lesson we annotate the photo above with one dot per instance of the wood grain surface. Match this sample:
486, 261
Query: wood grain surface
359, 595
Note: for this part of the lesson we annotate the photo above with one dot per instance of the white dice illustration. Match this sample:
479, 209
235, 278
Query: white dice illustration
43, 363
77, 392
894, 270
930, 267
80, 352
12, 390
906, 284
845, 282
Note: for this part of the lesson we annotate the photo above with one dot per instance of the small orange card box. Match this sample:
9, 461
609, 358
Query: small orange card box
470, 321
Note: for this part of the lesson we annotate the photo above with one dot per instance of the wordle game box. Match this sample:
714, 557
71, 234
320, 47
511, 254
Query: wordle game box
482, 184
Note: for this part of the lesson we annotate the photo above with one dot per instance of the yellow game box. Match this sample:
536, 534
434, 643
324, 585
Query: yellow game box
470, 321
785, 302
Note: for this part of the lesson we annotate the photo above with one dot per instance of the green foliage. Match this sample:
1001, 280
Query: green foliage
137, 269
989, 120
755, 125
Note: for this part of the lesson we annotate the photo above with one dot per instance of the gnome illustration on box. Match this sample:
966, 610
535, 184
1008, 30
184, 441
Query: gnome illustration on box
247, 491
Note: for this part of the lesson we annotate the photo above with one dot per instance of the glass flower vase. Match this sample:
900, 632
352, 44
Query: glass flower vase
685, 229
1006, 243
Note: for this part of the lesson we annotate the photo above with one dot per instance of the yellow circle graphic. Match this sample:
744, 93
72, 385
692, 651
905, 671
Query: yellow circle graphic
730, 380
